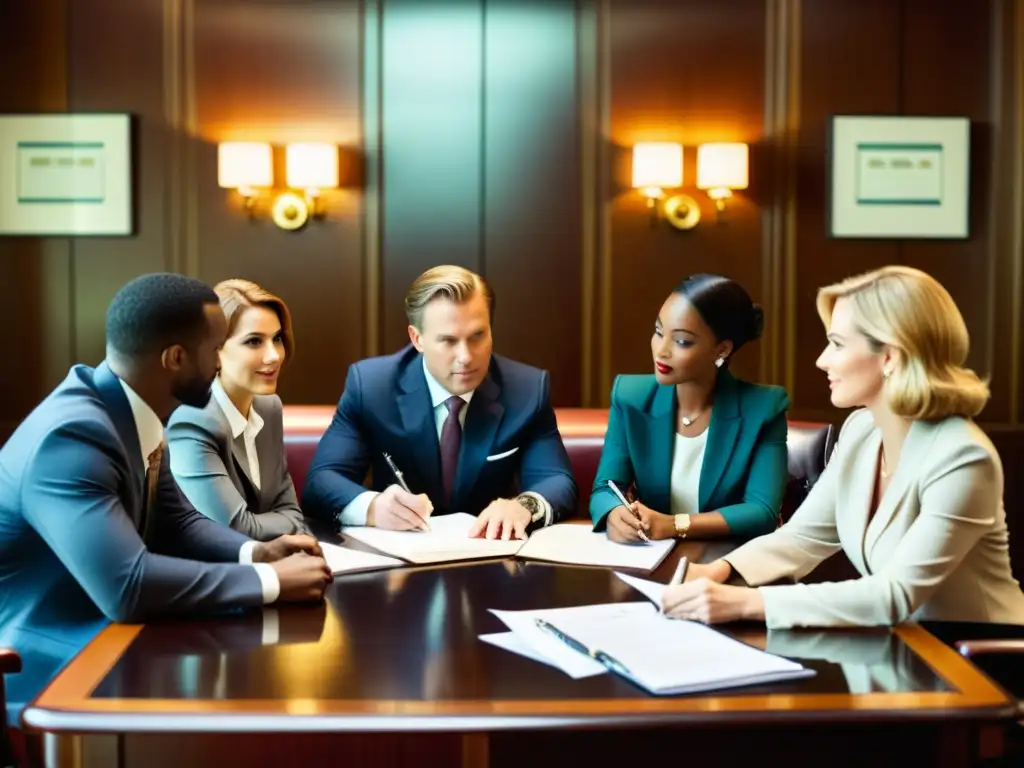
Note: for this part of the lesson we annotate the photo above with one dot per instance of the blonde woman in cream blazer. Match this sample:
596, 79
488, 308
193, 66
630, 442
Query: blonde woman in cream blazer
914, 491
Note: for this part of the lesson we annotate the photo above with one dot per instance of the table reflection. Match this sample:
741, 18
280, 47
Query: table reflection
412, 634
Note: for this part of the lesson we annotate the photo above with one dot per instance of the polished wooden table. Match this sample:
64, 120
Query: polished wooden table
390, 670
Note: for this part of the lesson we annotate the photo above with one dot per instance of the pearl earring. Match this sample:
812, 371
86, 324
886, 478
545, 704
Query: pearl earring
719, 362
886, 373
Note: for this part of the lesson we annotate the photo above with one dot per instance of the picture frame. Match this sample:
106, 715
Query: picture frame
66, 175
899, 177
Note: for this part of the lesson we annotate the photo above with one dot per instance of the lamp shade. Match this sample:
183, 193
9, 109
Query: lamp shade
657, 164
312, 166
244, 164
722, 166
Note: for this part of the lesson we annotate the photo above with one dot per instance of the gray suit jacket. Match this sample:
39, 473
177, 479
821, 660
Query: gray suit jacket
72, 486
936, 548
212, 469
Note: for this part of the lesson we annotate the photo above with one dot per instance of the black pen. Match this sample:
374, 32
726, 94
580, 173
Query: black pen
576, 645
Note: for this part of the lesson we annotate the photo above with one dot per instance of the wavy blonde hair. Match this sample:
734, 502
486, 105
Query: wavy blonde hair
911, 312
237, 294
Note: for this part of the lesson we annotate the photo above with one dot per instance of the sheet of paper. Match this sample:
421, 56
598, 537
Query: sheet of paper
652, 590
447, 540
557, 653
579, 545
343, 560
510, 641
668, 656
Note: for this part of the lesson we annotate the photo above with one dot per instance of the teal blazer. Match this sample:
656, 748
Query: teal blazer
745, 468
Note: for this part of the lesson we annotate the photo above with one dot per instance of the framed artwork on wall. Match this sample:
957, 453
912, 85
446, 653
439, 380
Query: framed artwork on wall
899, 177
66, 175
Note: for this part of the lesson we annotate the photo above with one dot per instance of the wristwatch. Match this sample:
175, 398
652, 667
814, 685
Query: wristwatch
531, 503
682, 523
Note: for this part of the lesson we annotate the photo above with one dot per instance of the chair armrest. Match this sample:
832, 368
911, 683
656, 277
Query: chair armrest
10, 661
971, 648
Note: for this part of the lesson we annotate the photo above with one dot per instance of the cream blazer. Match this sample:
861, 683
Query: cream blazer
937, 547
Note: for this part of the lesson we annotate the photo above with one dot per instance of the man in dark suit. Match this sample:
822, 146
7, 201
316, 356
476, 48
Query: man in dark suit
88, 532
470, 431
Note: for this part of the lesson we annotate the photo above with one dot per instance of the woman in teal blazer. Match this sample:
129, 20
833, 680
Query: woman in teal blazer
703, 452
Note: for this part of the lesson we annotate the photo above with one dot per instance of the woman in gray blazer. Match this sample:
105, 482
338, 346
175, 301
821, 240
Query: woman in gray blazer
228, 457
913, 493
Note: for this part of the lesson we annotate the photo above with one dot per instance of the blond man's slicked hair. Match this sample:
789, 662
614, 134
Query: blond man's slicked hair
237, 294
911, 312
455, 284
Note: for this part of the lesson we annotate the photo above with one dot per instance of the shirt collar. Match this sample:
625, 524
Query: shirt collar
148, 424
438, 394
236, 420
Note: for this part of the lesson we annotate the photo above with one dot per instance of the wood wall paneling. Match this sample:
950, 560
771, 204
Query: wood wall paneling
531, 186
691, 73
281, 72
432, 145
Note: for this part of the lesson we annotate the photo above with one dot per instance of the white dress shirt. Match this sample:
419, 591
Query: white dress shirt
355, 511
687, 460
151, 435
240, 425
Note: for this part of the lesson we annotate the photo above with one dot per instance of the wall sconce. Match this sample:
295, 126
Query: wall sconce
721, 168
245, 166
658, 166
311, 168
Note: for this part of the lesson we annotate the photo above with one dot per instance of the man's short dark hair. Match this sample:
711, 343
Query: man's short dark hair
156, 311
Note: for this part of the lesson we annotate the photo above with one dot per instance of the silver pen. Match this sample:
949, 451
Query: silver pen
397, 472
622, 498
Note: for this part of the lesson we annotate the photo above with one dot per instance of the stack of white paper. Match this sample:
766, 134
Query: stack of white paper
661, 655
343, 560
579, 545
447, 540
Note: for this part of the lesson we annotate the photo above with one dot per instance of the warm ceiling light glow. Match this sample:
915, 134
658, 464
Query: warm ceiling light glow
312, 166
243, 164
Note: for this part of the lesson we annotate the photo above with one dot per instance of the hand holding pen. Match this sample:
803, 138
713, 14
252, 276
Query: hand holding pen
397, 508
639, 527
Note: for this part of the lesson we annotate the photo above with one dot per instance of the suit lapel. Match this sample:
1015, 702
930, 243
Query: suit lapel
108, 386
722, 434
478, 433
919, 440
242, 458
656, 458
855, 494
417, 415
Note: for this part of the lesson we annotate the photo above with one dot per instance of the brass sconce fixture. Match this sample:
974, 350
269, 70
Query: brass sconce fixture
248, 168
721, 168
658, 166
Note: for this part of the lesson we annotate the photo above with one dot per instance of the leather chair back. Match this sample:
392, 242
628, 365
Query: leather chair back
582, 429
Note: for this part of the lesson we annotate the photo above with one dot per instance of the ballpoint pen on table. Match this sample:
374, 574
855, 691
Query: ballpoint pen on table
401, 479
576, 645
622, 498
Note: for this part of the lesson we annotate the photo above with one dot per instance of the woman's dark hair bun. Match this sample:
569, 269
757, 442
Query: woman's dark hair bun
725, 307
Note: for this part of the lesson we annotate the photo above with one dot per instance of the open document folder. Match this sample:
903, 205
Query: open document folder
634, 640
343, 560
448, 540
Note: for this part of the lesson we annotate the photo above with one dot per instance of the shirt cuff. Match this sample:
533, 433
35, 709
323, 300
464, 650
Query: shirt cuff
548, 511
355, 511
245, 553
269, 581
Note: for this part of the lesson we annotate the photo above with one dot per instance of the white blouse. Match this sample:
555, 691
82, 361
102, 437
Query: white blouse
687, 460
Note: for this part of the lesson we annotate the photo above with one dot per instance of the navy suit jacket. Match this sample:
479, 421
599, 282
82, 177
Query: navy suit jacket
386, 408
72, 490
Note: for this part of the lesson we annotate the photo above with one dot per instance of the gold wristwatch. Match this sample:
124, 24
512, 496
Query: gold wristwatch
682, 523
